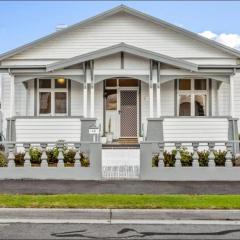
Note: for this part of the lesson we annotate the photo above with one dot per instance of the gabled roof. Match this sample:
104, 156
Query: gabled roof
123, 8
122, 47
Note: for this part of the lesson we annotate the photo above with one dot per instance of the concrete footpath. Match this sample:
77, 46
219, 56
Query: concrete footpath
116, 187
118, 216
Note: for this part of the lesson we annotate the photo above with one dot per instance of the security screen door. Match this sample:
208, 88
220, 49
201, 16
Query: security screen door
128, 113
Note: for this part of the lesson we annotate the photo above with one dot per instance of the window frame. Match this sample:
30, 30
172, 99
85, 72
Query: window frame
52, 91
192, 92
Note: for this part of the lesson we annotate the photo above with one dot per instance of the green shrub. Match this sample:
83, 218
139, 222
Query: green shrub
169, 158
220, 157
203, 158
19, 159
85, 162
69, 155
155, 160
186, 158
3, 160
52, 156
35, 155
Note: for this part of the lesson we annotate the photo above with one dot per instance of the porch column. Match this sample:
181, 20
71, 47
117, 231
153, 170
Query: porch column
12, 96
10, 134
158, 89
232, 112
151, 89
92, 111
85, 91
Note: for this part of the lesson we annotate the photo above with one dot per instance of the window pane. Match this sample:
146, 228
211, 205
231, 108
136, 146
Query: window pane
184, 84
200, 84
184, 105
44, 102
111, 99
60, 102
111, 83
44, 83
200, 105
60, 83
128, 83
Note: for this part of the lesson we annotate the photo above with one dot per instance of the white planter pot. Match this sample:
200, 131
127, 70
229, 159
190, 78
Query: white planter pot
103, 140
109, 137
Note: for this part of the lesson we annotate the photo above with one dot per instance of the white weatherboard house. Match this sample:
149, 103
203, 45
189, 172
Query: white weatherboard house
130, 73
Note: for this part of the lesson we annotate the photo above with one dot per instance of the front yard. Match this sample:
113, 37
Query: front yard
121, 201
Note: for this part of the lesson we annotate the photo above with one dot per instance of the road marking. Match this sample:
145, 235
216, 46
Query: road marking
119, 221
50, 221
94, 210
176, 222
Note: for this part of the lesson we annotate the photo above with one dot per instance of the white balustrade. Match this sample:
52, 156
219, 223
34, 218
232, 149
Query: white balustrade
210, 149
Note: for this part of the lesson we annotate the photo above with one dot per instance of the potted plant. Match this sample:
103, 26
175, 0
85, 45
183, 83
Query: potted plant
109, 134
103, 139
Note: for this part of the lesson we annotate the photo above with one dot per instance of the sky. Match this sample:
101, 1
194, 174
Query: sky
24, 21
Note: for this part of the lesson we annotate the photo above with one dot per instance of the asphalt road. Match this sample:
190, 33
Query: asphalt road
118, 231
114, 187
119, 224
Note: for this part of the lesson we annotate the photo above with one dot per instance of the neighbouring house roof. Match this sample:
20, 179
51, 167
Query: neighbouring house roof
122, 47
123, 8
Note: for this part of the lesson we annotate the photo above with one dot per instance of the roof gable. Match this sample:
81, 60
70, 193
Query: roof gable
133, 12
122, 47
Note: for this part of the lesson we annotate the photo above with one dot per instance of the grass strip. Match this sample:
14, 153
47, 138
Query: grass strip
121, 201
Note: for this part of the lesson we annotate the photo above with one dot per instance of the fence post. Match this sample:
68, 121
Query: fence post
229, 155
77, 155
195, 156
11, 157
44, 162
27, 157
60, 154
161, 156
178, 155
211, 157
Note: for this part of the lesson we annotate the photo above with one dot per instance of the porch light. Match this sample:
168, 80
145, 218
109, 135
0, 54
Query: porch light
61, 81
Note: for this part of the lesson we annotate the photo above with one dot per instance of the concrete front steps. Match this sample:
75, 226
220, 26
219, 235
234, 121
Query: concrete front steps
123, 143
128, 141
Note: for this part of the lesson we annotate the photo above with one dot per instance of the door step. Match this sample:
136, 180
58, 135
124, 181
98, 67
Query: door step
128, 141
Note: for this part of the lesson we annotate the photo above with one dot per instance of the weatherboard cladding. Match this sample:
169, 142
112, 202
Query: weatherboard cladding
123, 47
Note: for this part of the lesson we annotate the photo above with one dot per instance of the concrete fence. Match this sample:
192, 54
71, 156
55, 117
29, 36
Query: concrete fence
91, 151
195, 172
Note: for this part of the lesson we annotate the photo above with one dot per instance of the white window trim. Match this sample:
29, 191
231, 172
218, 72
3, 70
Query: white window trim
192, 93
52, 90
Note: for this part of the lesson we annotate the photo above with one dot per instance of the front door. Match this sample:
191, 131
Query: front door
128, 113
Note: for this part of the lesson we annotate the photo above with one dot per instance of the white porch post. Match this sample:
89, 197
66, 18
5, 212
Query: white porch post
12, 97
158, 89
85, 91
232, 112
11, 108
151, 89
92, 111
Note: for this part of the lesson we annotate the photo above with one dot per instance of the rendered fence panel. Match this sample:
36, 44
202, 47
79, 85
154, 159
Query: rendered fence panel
60, 171
187, 173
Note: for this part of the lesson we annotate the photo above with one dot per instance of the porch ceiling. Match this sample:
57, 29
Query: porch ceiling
123, 47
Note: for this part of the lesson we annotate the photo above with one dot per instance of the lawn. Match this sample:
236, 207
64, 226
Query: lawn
121, 201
